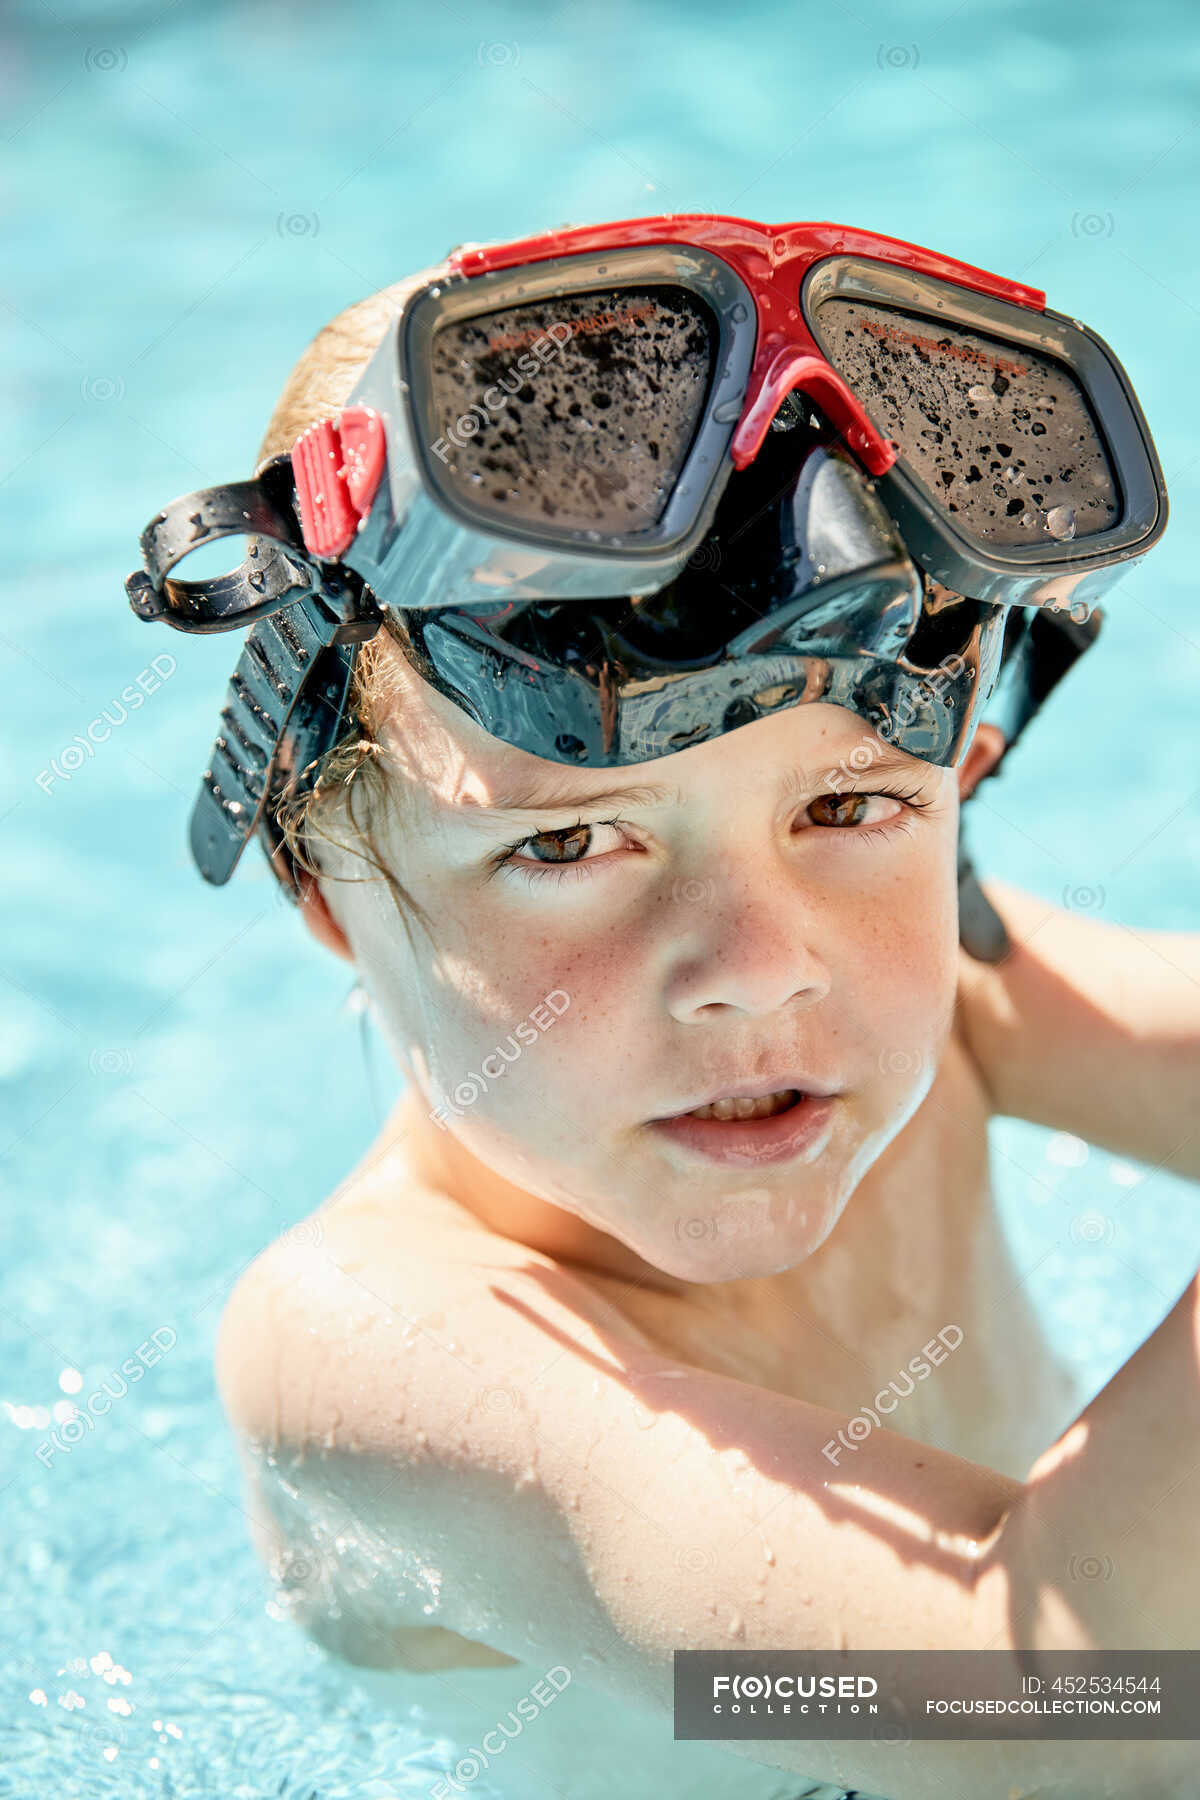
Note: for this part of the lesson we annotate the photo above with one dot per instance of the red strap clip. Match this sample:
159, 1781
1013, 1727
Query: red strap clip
336, 465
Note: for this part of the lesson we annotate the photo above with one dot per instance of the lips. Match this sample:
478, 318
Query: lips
747, 1123
801, 1131
783, 1081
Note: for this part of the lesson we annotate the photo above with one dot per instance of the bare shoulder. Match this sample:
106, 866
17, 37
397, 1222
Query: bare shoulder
383, 1366
387, 1265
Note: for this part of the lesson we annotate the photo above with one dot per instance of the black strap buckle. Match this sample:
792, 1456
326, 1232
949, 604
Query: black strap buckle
272, 572
287, 696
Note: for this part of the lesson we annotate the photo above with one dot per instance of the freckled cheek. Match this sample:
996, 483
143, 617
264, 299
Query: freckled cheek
919, 991
516, 961
896, 957
468, 995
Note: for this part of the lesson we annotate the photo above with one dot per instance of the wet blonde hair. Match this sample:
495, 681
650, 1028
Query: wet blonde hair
350, 772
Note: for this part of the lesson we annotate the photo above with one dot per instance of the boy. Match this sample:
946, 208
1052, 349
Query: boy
670, 1308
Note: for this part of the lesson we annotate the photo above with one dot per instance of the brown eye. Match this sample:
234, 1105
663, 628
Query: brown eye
838, 809
563, 844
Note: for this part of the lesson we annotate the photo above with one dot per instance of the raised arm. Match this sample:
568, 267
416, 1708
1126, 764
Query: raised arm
1092, 1028
490, 1443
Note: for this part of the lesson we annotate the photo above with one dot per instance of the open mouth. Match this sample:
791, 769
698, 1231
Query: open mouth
749, 1130
736, 1106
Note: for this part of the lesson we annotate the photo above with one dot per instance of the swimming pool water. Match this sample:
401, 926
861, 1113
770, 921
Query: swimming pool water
193, 191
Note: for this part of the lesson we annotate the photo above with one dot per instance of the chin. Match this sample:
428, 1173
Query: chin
744, 1236
726, 1261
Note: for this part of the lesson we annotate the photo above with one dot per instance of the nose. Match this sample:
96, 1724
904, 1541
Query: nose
742, 943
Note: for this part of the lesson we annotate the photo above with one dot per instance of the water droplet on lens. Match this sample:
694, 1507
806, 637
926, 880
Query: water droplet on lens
1060, 522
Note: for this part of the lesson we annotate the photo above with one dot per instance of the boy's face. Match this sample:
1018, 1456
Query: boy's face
786, 910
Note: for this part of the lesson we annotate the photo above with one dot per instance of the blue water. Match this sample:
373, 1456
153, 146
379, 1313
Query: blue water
192, 191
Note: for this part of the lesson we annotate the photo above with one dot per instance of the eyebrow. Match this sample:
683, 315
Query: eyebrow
538, 793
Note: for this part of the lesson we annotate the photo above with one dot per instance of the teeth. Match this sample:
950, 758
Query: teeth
740, 1107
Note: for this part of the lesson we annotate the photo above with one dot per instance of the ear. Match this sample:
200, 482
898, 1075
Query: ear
987, 747
314, 910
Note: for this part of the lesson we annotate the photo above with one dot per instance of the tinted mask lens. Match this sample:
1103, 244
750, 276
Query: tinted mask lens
576, 412
1001, 436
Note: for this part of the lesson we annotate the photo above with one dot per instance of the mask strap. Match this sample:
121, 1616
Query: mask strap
1038, 657
981, 930
283, 710
287, 696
